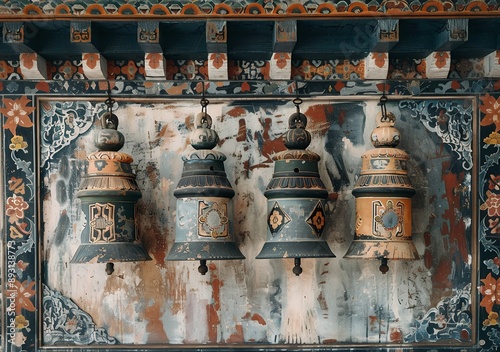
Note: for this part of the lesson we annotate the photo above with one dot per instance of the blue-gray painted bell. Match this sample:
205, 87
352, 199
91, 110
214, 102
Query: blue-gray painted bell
204, 222
296, 200
108, 195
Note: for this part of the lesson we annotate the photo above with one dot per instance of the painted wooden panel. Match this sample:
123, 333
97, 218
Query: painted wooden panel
247, 8
334, 301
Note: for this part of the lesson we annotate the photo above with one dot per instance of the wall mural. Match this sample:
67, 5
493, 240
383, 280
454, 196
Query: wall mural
159, 302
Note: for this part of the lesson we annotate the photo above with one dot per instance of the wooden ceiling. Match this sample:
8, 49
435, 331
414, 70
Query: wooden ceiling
251, 39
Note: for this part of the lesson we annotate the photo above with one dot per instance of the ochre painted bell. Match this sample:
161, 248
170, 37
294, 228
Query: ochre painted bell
296, 200
204, 222
383, 199
108, 195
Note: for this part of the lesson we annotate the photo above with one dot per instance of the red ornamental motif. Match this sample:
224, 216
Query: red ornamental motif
491, 293
91, 59
16, 205
494, 183
154, 60
130, 70
67, 69
492, 204
17, 113
217, 60
494, 225
5, 69
380, 59
28, 60
491, 109
23, 292
281, 59
441, 59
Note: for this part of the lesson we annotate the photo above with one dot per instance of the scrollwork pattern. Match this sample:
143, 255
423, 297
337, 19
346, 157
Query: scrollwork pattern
450, 319
448, 120
62, 123
64, 321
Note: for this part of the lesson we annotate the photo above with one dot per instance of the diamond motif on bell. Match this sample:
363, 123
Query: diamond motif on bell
277, 219
317, 219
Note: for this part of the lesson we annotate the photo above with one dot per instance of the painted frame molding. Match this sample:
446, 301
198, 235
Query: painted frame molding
21, 262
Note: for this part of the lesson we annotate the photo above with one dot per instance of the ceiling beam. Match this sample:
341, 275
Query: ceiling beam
453, 34
13, 35
284, 39
82, 35
386, 35
216, 39
148, 36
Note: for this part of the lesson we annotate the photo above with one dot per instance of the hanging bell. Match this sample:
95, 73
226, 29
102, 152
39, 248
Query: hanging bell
204, 209
295, 200
383, 199
108, 195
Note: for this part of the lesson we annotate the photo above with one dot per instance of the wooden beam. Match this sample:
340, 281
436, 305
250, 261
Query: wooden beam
81, 35
148, 37
280, 66
218, 66
216, 34
154, 66
95, 66
492, 64
437, 64
284, 36
13, 34
386, 35
376, 65
453, 34
284, 39
33, 66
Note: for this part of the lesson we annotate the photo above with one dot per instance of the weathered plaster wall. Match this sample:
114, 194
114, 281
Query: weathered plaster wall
333, 301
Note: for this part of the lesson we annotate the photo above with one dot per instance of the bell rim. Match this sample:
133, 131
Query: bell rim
97, 253
357, 250
204, 250
295, 249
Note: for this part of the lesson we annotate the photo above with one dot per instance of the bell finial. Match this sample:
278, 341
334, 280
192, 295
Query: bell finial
107, 137
204, 137
297, 137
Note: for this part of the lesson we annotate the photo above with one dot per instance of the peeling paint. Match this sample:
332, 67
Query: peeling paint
333, 301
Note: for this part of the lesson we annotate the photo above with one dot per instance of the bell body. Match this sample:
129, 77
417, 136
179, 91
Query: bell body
295, 207
383, 200
204, 222
108, 195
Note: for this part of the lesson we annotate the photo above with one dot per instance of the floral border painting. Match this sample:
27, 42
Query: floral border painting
489, 225
22, 290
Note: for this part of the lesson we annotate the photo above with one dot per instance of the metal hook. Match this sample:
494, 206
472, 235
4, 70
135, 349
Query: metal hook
204, 101
297, 101
383, 101
109, 103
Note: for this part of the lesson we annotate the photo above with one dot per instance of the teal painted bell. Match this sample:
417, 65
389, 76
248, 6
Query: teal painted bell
296, 200
108, 195
204, 222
